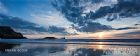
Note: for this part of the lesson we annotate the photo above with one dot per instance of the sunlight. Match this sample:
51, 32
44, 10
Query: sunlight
101, 35
100, 46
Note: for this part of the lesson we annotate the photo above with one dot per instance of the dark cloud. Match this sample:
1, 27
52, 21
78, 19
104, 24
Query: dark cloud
55, 29
18, 23
126, 28
26, 27
97, 1
94, 27
131, 35
73, 11
137, 24
136, 32
124, 8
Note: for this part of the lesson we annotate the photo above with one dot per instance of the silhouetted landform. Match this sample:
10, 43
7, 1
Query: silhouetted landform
49, 38
8, 33
53, 38
5, 46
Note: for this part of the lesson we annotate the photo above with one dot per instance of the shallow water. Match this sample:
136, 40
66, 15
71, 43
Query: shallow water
69, 48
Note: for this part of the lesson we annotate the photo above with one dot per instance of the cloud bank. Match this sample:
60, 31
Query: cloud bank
73, 16
18, 23
83, 12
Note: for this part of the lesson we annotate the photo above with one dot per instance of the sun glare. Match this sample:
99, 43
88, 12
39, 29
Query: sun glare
101, 35
100, 46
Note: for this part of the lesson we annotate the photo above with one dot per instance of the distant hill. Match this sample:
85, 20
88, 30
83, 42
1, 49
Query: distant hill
49, 38
8, 33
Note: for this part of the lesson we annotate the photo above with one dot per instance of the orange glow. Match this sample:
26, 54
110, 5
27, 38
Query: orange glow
98, 35
100, 46
101, 35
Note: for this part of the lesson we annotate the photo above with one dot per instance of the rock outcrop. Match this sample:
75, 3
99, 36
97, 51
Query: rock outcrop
8, 33
49, 38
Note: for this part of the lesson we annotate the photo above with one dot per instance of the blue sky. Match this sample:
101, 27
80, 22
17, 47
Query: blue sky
28, 9
20, 8
90, 16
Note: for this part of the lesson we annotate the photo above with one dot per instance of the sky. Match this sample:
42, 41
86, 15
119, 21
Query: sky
70, 18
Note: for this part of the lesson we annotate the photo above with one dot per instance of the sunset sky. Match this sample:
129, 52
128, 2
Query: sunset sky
70, 18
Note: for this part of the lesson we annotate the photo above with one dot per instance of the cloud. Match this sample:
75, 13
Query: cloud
94, 5
124, 8
19, 24
78, 12
2, 8
126, 28
73, 16
116, 9
129, 35
136, 32
137, 24
83, 13
53, 18
95, 27
74, 10
27, 27
55, 29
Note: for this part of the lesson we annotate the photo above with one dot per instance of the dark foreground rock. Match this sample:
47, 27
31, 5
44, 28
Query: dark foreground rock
8, 33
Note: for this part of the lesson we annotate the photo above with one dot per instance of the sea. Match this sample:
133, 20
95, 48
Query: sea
69, 47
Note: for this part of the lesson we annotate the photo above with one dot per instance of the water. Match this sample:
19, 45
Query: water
67, 48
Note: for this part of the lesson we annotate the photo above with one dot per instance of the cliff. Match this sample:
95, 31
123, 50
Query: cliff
8, 33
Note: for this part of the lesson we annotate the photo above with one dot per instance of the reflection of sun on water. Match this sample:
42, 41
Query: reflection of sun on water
100, 46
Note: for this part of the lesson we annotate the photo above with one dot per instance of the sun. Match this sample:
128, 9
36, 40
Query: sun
101, 35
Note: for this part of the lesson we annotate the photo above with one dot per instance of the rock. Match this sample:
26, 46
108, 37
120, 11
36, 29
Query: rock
49, 38
8, 33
